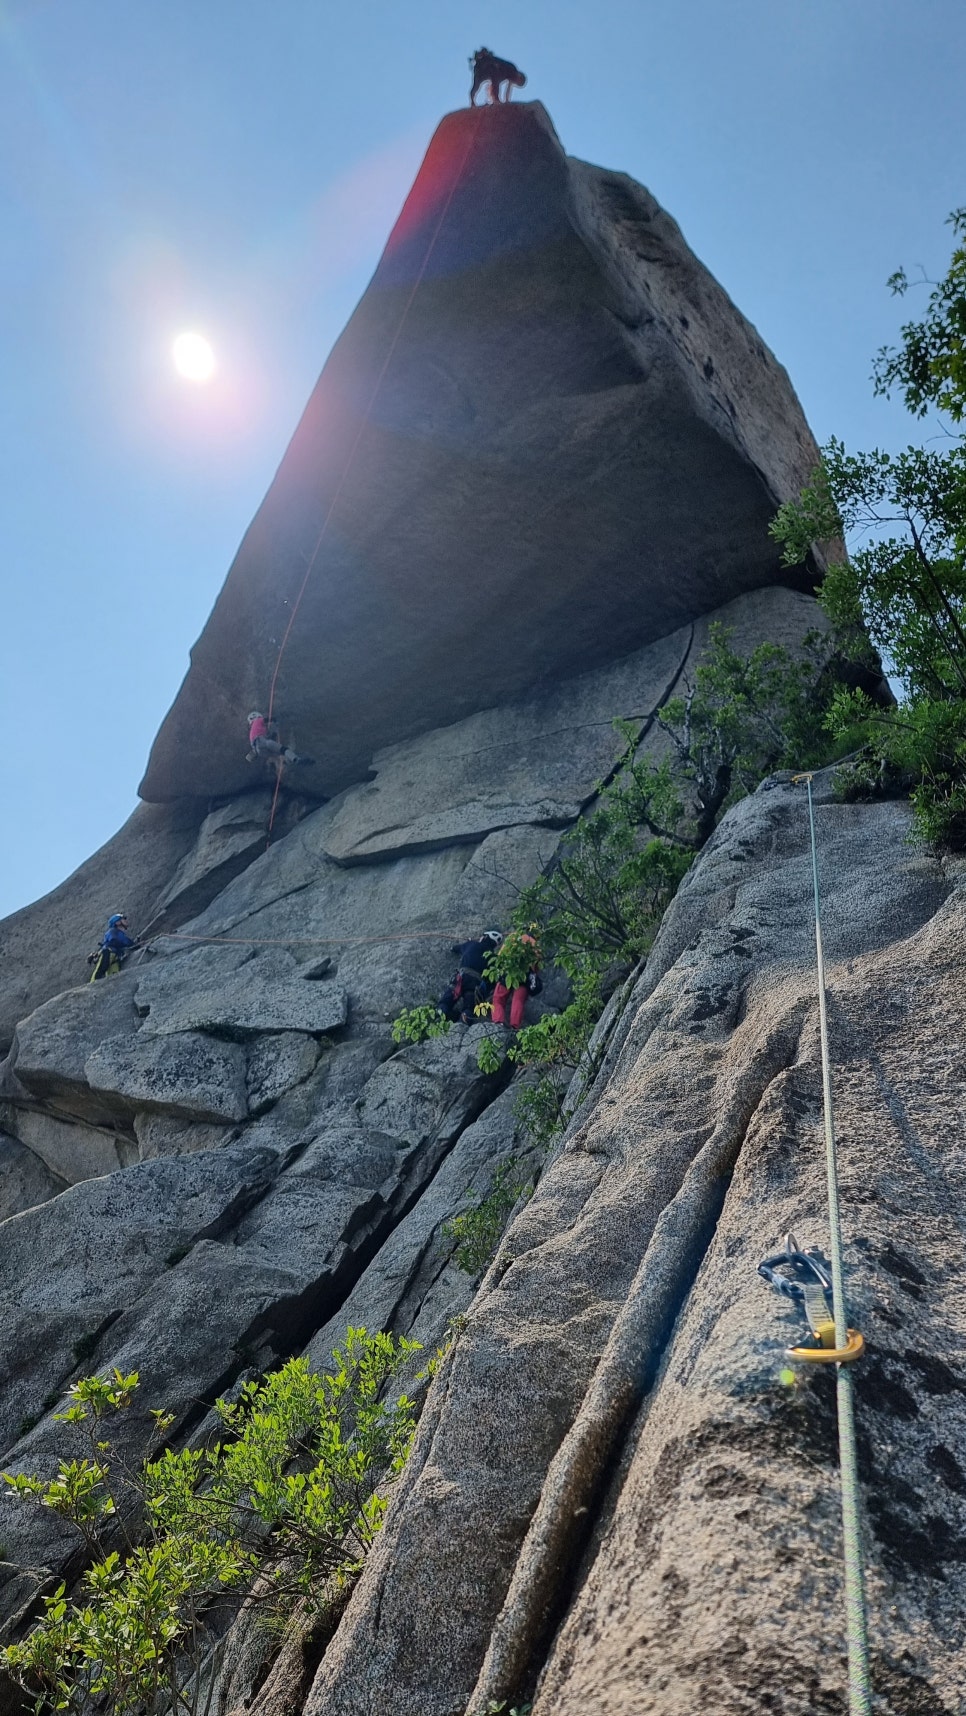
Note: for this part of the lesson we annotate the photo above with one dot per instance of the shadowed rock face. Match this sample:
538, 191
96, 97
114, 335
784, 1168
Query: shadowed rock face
545, 438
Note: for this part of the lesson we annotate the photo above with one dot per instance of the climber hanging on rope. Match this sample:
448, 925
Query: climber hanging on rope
108, 959
487, 68
263, 742
469, 988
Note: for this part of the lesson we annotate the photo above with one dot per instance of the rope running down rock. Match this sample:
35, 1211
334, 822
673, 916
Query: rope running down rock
855, 1613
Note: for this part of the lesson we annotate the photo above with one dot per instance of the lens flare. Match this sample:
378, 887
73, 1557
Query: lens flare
193, 357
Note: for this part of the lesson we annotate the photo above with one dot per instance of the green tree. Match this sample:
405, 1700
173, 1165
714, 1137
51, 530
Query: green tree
284, 1508
744, 716
605, 895
599, 906
929, 367
904, 585
739, 718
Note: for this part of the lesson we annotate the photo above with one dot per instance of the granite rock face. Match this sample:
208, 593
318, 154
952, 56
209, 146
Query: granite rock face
25, 1180
43, 947
545, 438
162, 868
615, 1501
615, 1382
251, 1159
221, 1157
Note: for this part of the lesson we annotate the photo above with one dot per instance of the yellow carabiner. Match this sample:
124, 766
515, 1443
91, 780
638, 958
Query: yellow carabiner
854, 1348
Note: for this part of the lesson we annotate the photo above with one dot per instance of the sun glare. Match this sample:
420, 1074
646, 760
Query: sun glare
193, 357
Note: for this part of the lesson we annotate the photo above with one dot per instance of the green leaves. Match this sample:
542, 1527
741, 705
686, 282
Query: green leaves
291, 1499
95, 1396
744, 716
517, 955
488, 1056
419, 1024
606, 893
477, 1230
929, 368
904, 584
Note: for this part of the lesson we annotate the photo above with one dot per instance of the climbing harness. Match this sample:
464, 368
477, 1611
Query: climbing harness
105, 963
804, 1276
380, 378
807, 1271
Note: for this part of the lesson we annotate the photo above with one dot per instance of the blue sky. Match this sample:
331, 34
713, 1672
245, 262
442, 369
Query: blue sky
235, 166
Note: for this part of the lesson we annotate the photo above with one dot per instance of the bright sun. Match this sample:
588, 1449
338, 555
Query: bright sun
193, 357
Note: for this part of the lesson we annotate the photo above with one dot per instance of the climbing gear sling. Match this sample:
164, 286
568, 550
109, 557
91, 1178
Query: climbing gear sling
804, 1276
105, 963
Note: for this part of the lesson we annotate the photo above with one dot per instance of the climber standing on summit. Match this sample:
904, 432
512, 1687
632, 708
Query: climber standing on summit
263, 741
488, 68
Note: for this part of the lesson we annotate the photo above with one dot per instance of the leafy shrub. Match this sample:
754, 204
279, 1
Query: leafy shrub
419, 1024
488, 1056
478, 1230
904, 585
607, 892
289, 1503
517, 955
747, 715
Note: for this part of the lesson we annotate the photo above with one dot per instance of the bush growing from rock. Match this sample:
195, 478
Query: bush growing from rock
477, 1230
282, 1510
419, 1024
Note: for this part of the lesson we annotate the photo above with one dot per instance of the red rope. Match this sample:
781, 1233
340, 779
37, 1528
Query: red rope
359, 434
280, 769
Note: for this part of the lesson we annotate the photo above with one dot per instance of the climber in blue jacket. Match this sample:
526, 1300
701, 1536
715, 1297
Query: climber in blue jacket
106, 962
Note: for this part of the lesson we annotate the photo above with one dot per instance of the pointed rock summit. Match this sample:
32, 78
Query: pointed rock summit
545, 438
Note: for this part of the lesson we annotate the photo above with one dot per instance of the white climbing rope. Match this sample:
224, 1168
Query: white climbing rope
855, 1616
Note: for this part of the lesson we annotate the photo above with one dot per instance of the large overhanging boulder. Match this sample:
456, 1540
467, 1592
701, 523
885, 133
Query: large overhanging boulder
545, 438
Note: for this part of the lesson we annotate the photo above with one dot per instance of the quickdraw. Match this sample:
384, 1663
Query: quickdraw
806, 1277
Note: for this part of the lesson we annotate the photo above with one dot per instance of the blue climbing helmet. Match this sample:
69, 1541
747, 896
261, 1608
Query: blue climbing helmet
118, 918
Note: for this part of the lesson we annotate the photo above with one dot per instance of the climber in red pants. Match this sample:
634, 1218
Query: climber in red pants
519, 962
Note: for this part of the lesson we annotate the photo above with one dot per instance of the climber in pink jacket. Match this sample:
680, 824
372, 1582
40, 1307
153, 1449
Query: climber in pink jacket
263, 741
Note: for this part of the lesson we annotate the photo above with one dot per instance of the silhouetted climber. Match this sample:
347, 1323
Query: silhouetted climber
487, 68
469, 988
116, 944
519, 966
264, 741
